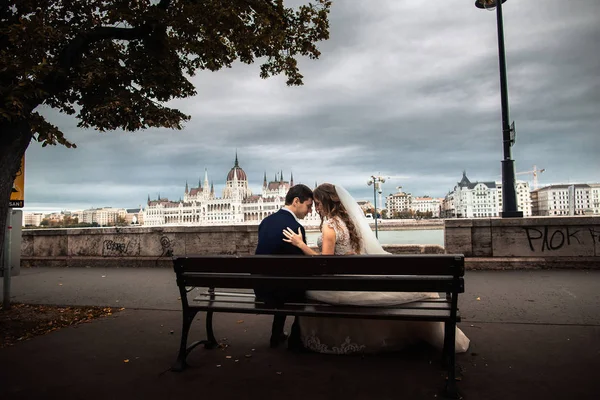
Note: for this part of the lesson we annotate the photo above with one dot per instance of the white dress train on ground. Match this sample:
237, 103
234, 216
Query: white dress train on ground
350, 335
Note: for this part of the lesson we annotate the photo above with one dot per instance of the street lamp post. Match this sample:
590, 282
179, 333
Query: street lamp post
509, 194
376, 181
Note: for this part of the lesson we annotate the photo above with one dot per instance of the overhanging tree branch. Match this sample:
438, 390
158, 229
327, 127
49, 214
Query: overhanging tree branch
70, 56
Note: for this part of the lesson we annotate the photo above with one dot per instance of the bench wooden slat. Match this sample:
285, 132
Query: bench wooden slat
413, 314
340, 283
438, 305
407, 264
246, 294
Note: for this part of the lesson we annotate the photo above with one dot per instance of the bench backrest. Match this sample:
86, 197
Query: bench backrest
401, 273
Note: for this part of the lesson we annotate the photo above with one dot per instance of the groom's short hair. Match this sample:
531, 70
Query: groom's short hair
302, 192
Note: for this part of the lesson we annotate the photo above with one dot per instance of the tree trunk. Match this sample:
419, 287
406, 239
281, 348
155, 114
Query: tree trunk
14, 139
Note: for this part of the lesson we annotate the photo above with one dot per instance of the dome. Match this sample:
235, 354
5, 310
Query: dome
237, 171
241, 175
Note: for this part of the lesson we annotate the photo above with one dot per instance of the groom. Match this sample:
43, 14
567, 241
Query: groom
298, 203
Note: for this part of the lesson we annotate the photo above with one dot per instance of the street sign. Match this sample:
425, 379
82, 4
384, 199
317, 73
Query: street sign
17, 195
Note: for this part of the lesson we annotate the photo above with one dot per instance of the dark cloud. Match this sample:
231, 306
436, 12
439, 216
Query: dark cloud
404, 89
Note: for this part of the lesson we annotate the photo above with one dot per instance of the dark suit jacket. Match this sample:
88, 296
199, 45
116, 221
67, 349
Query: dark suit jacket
270, 234
270, 242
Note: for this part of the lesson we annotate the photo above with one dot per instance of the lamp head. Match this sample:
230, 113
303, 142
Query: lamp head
487, 4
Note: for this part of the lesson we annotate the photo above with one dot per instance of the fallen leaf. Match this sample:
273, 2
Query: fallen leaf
479, 298
240, 321
126, 360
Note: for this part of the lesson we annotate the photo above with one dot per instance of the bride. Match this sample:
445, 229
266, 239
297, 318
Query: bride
345, 230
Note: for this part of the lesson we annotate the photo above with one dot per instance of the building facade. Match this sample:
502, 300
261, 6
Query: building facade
426, 205
398, 203
32, 219
575, 199
237, 205
482, 199
106, 216
405, 203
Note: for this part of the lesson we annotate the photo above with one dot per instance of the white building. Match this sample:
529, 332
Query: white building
398, 203
238, 205
448, 208
575, 199
426, 205
134, 216
523, 197
32, 219
106, 216
402, 202
482, 199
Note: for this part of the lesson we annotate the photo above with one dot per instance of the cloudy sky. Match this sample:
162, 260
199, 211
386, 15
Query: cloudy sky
407, 89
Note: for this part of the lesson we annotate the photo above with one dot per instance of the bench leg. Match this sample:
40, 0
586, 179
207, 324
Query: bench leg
451, 390
446, 350
211, 343
180, 364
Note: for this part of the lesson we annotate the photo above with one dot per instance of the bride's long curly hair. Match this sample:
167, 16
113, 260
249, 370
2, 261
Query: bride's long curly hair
333, 207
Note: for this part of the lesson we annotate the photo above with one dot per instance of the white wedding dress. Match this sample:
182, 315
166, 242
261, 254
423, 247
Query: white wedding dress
351, 335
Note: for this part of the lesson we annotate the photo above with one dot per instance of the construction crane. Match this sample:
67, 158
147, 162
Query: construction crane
535, 173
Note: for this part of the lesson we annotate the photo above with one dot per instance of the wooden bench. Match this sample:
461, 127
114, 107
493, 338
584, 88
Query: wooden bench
442, 273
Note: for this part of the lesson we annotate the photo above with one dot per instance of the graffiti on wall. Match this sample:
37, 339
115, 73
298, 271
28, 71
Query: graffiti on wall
546, 238
115, 248
167, 246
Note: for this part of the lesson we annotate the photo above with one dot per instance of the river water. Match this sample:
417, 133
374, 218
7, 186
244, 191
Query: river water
417, 236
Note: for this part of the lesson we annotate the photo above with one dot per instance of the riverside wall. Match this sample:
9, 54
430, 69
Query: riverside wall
487, 243
147, 246
525, 243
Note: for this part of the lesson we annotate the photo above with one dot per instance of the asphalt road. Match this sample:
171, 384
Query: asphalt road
534, 334
570, 297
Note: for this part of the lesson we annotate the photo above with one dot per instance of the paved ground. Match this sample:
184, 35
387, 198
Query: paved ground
534, 334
